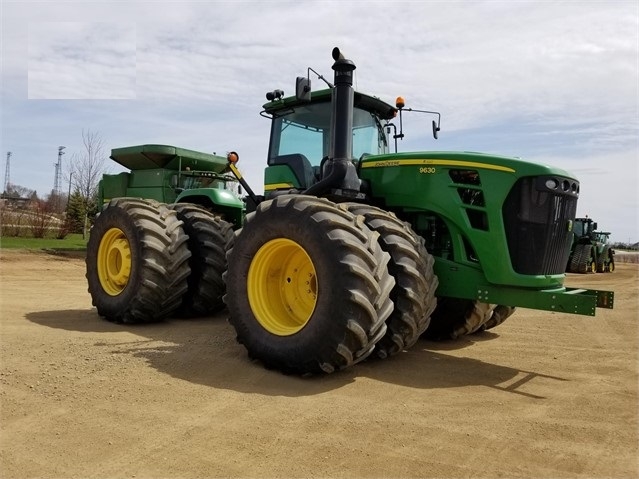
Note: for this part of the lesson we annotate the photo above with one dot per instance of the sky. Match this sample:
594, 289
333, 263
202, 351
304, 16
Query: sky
550, 82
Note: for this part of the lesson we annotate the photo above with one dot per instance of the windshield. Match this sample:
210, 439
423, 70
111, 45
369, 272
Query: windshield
307, 131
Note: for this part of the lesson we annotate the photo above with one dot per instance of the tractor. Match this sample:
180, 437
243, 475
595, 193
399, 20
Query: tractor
590, 250
354, 250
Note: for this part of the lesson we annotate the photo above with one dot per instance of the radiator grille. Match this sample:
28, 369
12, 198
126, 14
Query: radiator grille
538, 215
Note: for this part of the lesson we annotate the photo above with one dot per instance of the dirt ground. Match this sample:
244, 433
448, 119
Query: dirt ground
544, 395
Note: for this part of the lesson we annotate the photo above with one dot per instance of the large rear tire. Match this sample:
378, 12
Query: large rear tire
209, 239
307, 286
415, 283
137, 261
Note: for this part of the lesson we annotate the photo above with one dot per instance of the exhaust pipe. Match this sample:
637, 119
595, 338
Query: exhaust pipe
339, 171
342, 100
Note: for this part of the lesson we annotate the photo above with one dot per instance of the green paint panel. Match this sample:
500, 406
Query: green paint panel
278, 177
467, 191
113, 186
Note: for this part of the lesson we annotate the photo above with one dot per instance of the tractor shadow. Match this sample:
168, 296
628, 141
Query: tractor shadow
204, 351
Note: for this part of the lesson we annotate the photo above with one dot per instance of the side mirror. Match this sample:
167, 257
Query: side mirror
173, 181
435, 129
303, 89
594, 226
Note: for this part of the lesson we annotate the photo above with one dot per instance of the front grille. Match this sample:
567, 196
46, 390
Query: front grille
538, 217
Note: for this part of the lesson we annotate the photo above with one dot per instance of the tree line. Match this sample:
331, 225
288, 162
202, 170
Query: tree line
24, 212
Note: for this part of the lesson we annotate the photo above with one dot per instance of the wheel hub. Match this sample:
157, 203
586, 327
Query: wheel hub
282, 286
114, 261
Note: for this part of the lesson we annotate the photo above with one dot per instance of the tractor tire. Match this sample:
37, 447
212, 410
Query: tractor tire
603, 260
209, 239
308, 289
592, 261
500, 314
415, 283
456, 317
137, 261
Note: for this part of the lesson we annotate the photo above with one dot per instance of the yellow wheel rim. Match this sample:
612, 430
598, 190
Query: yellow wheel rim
282, 287
114, 261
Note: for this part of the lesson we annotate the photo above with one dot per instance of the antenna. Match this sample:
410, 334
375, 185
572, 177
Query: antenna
308, 75
7, 173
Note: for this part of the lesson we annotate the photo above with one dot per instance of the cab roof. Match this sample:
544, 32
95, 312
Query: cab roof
366, 102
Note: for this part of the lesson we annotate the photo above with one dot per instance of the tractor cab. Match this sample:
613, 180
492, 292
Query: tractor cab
584, 228
300, 139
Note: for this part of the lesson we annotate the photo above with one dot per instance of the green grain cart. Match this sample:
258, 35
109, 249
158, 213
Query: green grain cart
166, 221
355, 249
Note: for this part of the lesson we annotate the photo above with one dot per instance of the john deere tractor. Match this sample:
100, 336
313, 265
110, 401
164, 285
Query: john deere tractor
354, 249
590, 251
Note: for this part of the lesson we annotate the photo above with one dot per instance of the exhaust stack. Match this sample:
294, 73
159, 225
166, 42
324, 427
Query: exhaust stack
339, 172
342, 101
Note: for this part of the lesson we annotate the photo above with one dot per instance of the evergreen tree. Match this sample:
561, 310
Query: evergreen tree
76, 211
93, 208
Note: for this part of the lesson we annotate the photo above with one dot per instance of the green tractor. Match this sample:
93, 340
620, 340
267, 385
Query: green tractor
590, 251
356, 250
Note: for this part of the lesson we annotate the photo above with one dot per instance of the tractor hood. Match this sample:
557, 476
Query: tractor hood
466, 159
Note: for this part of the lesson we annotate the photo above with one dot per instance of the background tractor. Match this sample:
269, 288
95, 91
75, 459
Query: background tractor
590, 251
355, 250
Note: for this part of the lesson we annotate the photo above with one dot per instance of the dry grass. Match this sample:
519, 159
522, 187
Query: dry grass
627, 257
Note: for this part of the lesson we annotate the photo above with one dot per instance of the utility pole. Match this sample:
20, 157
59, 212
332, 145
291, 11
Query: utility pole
69, 194
57, 185
7, 173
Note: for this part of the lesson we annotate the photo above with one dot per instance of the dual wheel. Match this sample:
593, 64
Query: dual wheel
605, 261
147, 260
316, 286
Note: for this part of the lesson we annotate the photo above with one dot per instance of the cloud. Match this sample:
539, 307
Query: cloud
81, 60
609, 192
